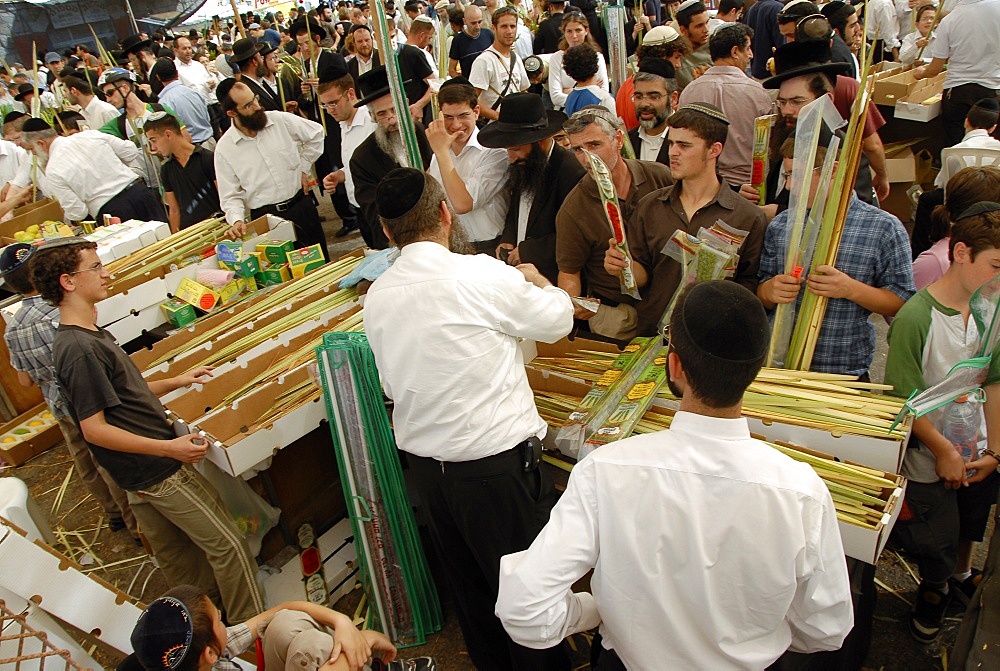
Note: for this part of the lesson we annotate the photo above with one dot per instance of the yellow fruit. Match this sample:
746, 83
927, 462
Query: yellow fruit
33, 229
23, 236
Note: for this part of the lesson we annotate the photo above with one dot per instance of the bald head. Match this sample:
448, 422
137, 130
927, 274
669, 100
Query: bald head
473, 20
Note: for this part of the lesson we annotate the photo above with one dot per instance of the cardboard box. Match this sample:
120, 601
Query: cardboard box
18, 453
923, 102
301, 261
246, 267
275, 250
901, 167
196, 294
179, 313
272, 275
34, 213
893, 87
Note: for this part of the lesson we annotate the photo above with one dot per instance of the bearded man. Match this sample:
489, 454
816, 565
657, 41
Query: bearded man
382, 152
541, 176
263, 164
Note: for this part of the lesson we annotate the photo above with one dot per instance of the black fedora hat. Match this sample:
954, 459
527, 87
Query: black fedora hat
796, 59
134, 43
373, 85
523, 120
23, 90
244, 50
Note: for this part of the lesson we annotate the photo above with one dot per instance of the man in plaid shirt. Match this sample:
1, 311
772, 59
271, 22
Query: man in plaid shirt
29, 337
873, 273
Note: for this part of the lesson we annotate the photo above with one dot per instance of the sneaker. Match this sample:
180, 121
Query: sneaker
116, 523
925, 620
412, 664
966, 588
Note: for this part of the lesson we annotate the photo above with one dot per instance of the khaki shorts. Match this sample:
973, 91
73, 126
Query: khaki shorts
619, 322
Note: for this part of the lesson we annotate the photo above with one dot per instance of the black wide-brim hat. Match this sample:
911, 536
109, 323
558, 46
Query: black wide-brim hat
244, 50
374, 84
523, 120
134, 43
796, 59
23, 90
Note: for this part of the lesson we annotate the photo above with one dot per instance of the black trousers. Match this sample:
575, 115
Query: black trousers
136, 201
955, 105
304, 216
478, 511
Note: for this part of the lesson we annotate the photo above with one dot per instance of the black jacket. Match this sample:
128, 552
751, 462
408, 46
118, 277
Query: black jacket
539, 245
661, 156
267, 100
352, 67
548, 35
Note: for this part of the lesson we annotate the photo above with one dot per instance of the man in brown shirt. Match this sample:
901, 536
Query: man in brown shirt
696, 135
582, 229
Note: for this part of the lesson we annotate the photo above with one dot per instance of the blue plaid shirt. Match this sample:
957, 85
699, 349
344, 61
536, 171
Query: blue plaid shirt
29, 337
874, 249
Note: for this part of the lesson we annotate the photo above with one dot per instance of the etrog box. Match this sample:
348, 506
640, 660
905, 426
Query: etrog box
179, 313
301, 261
196, 294
274, 250
274, 275
247, 267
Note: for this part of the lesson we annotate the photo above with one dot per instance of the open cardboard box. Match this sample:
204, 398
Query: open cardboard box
913, 106
18, 453
33, 213
340, 568
893, 86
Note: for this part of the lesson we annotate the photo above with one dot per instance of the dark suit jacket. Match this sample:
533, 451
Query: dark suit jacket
267, 100
548, 35
539, 245
352, 67
661, 156
368, 166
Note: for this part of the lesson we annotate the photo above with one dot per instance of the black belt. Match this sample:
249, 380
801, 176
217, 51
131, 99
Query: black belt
527, 453
610, 302
284, 205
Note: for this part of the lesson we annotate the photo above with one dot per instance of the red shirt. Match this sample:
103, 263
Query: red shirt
844, 93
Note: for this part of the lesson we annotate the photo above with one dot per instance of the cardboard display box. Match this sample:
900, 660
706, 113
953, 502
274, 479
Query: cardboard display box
31, 214
18, 453
923, 102
901, 167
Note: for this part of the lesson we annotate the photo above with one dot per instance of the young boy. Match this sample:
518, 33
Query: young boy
29, 337
580, 63
193, 536
872, 273
946, 509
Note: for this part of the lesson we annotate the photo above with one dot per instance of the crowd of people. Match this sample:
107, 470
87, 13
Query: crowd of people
504, 235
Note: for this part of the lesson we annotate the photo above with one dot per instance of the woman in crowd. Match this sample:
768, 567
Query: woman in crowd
576, 31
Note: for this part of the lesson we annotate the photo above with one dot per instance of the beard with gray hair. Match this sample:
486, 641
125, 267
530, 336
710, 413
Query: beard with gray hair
391, 142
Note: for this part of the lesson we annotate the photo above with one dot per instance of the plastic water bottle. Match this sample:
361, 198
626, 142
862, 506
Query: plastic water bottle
960, 424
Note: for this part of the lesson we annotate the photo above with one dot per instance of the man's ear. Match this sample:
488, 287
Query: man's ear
388, 235
67, 283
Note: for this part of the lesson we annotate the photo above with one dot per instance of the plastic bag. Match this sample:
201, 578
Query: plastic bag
253, 515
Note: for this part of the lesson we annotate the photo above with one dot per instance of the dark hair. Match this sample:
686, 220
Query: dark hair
202, 627
716, 382
707, 128
726, 6
503, 11
575, 16
223, 93
48, 265
161, 123
725, 38
19, 279
314, 29
685, 21
982, 117
580, 62
670, 84
664, 51
965, 188
74, 82
921, 9
343, 83
797, 12
456, 94
422, 221
820, 85
838, 19
978, 232
69, 120
164, 69
358, 26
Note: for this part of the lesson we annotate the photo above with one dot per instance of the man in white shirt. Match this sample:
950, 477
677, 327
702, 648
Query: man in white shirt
337, 96
473, 176
82, 192
882, 30
193, 74
477, 473
96, 111
655, 98
681, 586
980, 124
263, 165
499, 71
966, 41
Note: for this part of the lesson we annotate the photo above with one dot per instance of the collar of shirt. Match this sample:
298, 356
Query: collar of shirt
726, 197
473, 142
974, 133
717, 427
172, 85
643, 135
589, 186
361, 117
729, 71
241, 136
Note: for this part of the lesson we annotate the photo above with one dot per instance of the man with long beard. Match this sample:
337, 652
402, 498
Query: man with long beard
541, 176
263, 165
477, 473
380, 153
655, 98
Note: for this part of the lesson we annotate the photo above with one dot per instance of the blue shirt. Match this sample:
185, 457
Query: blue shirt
578, 99
272, 37
190, 108
29, 337
874, 249
763, 19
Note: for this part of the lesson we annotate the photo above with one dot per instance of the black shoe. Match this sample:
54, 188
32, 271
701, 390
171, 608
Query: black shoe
116, 523
928, 613
965, 589
346, 230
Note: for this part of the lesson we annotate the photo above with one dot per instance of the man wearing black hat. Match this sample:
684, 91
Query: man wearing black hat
582, 223
741, 98
697, 134
541, 176
692, 18
366, 56
263, 165
654, 95
477, 473
549, 31
677, 585
85, 193
382, 152
141, 53
246, 56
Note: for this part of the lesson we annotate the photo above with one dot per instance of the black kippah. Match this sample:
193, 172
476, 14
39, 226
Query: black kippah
332, 72
13, 116
34, 124
399, 192
224, 87
982, 207
723, 320
657, 66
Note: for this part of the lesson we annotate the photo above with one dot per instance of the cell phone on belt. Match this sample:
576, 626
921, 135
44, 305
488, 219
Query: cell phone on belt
531, 453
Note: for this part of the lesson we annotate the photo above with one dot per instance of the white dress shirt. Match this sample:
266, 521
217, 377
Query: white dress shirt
484, 172
196, 76
454, 369
559, 80
908, 50
710, 550
974, 139
71, 179
882, 23
267, 168
98, 112
352, 134
967, 38
650, 145
13, 159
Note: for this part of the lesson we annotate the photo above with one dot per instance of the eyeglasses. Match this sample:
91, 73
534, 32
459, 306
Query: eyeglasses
250, 105
98, 267
792, 102
328, 106
785, 176
651, 97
